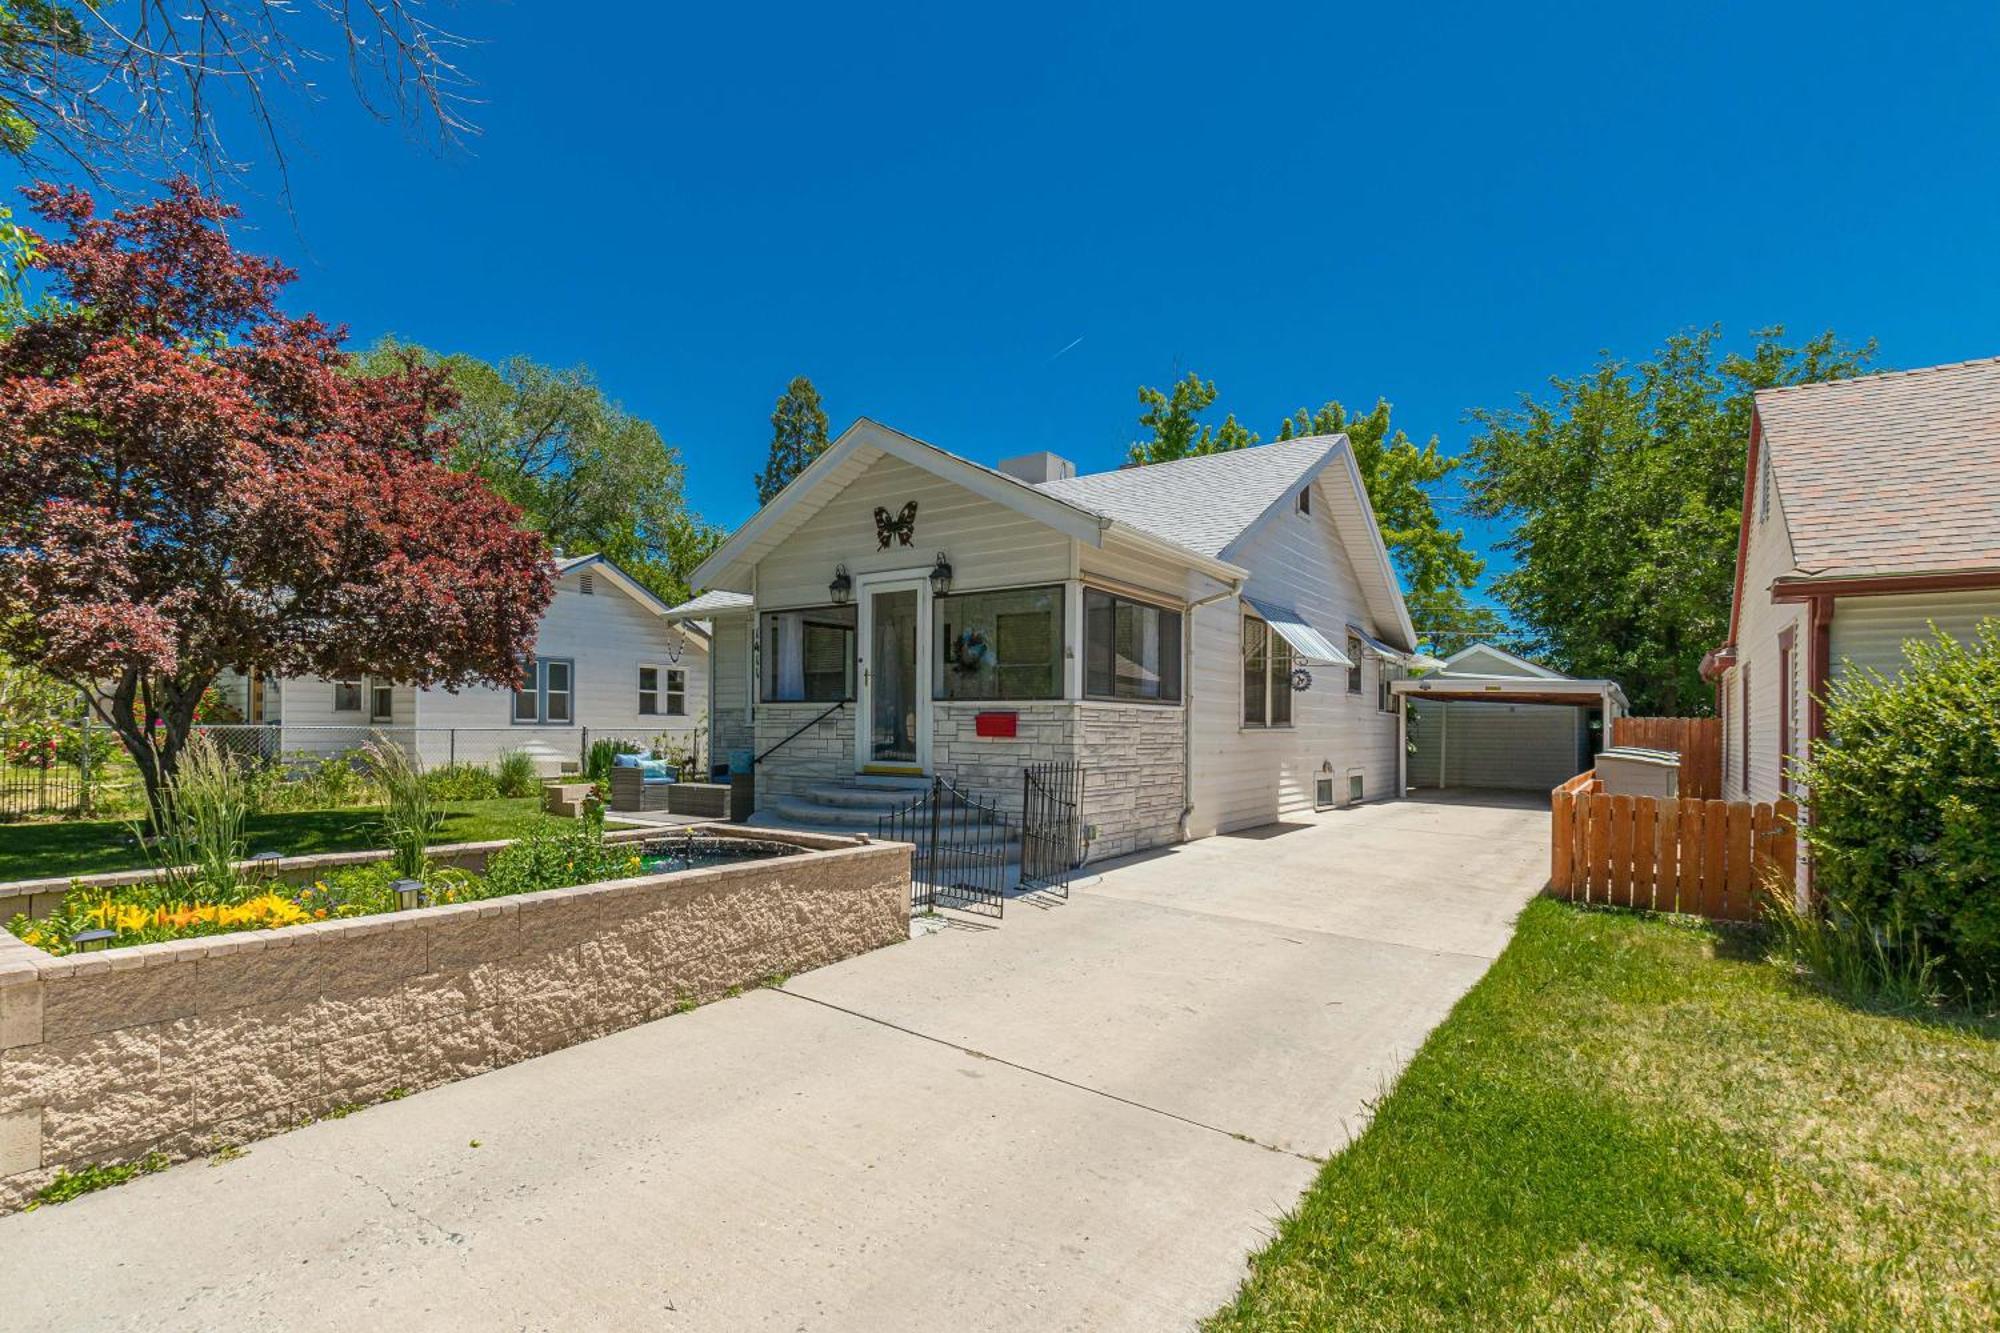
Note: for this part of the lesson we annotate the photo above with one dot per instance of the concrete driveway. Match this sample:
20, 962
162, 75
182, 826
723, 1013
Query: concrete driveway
1084, 1119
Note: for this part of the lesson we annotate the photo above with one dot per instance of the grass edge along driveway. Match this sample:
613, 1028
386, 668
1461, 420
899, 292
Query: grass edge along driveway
92, 847
1636, 1121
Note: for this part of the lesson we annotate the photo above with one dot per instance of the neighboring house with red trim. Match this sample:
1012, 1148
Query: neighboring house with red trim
1871, 511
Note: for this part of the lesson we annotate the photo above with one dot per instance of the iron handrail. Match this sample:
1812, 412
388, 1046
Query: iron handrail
800, 732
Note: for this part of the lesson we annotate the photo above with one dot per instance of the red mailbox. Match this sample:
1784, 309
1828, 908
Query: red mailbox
997, 724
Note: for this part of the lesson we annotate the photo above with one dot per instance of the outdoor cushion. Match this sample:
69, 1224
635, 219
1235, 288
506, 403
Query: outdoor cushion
657, 770
626, 760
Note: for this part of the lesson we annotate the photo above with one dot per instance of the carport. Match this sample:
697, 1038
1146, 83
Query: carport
1503, 728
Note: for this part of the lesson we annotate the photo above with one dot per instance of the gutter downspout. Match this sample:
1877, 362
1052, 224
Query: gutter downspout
1235, 589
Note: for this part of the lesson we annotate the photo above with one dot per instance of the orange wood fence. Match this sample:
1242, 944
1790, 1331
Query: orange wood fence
1707, 858
1698, 739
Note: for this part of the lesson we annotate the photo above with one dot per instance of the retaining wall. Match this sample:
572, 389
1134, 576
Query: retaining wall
187, 1046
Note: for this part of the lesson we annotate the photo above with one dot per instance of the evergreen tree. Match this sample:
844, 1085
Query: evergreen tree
798, 435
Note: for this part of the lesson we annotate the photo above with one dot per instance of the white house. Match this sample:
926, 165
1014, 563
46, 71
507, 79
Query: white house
610, 660
1491, 719
1871, 511
1208, 637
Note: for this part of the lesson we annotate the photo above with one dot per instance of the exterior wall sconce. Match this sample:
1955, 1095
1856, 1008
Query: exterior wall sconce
842, 587
93, 941
409, 893
941, 576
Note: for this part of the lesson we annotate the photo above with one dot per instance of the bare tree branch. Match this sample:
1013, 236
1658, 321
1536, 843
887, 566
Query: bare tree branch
107, 88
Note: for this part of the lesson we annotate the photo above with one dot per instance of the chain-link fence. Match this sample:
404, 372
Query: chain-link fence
55, 769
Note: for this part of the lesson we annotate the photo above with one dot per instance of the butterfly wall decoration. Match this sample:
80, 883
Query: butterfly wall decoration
902, 527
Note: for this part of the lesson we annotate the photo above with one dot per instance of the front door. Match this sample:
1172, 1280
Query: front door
892, 734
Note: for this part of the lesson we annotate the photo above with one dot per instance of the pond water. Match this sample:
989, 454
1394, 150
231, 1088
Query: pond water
693, 853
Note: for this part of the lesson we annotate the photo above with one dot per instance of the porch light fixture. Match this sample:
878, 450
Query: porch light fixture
941, 576
409, 893
842, 587
91, 941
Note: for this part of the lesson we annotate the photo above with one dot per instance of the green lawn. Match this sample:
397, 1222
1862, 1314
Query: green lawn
1637, 1123
33, 851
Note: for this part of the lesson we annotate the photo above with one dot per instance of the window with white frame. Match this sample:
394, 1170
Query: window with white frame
546, 696
381, 701
347, 696
808, 656
1267, 676
1354, 671
1387, 674
1005, 644
1132, 650
662, 691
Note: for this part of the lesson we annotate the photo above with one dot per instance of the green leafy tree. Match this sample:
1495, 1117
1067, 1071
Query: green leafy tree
587, 474
798, 435
1436, 568
1173, 429
1624, 489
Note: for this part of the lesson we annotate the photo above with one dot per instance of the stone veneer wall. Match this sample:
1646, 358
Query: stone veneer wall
185, 1046
824, 754
1135, 776
989, 767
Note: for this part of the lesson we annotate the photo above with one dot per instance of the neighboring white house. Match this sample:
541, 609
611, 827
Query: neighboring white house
1491, 719
1209, 637
611, 659
1871, 511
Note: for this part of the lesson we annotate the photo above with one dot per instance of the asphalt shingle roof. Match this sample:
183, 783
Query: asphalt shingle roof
1202, 503
1889, 474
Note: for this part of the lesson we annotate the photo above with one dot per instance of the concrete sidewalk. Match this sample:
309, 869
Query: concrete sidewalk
1084, 1119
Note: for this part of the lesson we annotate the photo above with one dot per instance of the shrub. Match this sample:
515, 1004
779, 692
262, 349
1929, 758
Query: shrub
554, 854
597, 766
516, 774
463, 782
1905, 804
410, 815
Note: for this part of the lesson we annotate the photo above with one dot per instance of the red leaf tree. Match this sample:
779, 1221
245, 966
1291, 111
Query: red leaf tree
191, 481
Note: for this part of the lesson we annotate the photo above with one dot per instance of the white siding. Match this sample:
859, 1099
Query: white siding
1249, 776
1528, 747
1871, 631
989, 545
1758, 628
608, 636
729, 676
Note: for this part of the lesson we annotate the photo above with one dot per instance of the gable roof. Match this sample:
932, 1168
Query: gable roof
618, 578
1215, 502
864, 442
1467, 657
1206, 502
1891, 474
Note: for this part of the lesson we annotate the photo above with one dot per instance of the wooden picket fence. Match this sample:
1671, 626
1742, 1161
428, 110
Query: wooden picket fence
1697, 739
1704, 857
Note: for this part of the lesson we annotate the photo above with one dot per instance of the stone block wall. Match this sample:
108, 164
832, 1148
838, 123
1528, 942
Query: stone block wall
824, 754
989, 767
1135, 775
182, 1047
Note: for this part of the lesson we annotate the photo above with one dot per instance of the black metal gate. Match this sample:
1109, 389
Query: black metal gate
1051, 825
964, 848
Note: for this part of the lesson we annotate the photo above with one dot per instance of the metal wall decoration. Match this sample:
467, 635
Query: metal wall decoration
1302, 679
902, 527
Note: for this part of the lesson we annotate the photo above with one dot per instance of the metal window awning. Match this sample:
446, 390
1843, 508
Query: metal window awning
1390, 653
1309, 646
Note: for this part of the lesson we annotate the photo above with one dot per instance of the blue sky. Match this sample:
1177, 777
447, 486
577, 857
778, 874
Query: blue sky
988, 225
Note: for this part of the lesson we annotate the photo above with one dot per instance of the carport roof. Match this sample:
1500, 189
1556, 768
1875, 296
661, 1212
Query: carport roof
1512, 690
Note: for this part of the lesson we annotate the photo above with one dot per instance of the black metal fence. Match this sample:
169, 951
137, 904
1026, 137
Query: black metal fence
1052, 828
964, 850
49, 769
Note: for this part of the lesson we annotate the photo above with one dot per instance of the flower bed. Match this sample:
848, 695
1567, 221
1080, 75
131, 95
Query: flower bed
551, 856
